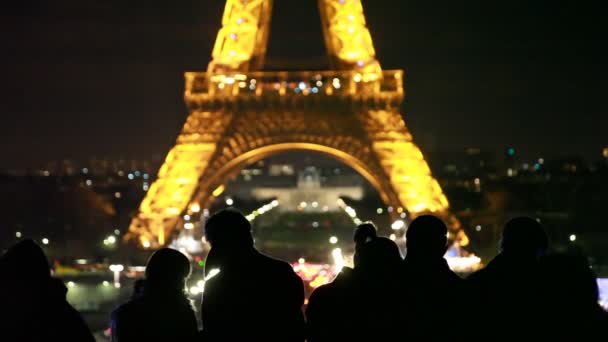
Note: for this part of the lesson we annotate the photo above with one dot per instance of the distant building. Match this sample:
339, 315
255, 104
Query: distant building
309, 194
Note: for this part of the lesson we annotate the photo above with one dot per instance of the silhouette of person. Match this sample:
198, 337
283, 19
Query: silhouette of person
506, 294
364, 232
34, 303
330, 305
163, 311
571, 308
427, 280
376, 291
252, 297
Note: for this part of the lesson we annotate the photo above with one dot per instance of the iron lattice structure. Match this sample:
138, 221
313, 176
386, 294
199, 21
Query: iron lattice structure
239, 114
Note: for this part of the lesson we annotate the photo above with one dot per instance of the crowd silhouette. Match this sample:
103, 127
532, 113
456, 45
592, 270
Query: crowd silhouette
523, 293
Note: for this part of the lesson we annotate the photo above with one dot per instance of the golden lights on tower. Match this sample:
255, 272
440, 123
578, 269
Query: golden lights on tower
239, 115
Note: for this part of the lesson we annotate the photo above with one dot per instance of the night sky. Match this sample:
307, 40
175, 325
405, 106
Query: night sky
104, 78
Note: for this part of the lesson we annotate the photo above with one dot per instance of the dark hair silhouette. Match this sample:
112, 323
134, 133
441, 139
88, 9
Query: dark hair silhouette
426, 237
159, 309
253, 297
26, 261
523, 236
569, 273
365, 232
381, 255
571, 297
228, 227
509, 289
34, 303
167, 269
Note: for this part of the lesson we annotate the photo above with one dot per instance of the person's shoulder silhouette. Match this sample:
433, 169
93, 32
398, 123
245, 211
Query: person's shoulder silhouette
160, 310
252, 296
426, 244
331, 306
426, 278
34, 304
508, 289
374, 287
571, 295
522, 243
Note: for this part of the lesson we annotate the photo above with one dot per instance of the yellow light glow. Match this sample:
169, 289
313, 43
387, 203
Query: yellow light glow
195, 207
218, 191
347, 36
243, 34
210, 147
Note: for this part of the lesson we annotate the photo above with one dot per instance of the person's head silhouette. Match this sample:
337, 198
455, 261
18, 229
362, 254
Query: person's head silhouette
26, 262
228, 228
524, 237
426, 238
569, 273
378, 256
167, 271
365, 232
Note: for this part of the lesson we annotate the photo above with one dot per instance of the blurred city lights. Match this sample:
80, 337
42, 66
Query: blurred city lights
188, 225
110, 240
17, 234
399, 224
195, 207
262, 210
105, 283
333, 240
45, 241
71, 284
116, 232
572, 237
116, 268
229, 201
336, 253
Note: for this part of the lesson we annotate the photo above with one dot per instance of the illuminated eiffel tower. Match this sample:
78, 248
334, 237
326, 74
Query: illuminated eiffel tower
240, 114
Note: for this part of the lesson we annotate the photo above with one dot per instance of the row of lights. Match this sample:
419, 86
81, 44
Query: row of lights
200, 285
262, 210
72, 284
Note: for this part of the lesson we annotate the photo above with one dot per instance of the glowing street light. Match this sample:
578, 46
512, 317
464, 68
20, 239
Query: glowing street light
45, 241
572, 237
336, 253
333, 240
117, 269
110, 240
229, 201
399, 224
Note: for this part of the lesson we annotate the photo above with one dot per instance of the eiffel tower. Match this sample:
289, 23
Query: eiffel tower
240, 114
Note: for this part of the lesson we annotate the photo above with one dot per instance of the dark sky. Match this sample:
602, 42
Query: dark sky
104, 78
